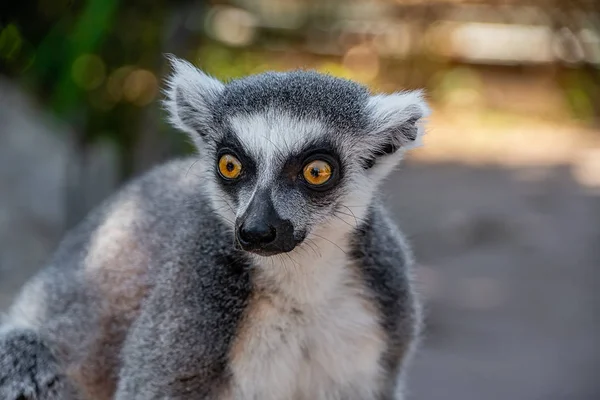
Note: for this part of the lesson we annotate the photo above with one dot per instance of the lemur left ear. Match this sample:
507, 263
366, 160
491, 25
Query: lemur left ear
190, 95
395, 123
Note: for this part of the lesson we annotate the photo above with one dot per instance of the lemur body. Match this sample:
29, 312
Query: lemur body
264, 268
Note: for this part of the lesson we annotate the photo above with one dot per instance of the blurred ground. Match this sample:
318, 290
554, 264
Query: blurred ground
506, 243
510, 269
506, 225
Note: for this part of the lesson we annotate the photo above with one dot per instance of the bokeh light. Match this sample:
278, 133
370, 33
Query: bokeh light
140, 87
232, 26
362, 61
116, 81
89, 71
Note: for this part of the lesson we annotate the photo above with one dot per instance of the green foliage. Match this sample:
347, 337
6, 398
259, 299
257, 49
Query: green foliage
10, 42
94, 63
578, 88
227, 63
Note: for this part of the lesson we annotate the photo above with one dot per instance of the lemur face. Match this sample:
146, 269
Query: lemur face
291, 156
281, 175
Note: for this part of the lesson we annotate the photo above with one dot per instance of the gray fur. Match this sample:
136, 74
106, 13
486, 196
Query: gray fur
375, 248
308, 94
150, 298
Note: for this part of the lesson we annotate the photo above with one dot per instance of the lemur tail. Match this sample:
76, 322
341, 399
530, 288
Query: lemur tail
28, 369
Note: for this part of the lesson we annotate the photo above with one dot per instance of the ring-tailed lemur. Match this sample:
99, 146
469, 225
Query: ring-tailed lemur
264, 268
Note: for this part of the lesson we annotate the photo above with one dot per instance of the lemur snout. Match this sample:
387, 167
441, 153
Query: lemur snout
261, 230
258, 232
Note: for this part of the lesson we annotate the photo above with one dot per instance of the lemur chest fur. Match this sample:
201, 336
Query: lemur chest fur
310, 335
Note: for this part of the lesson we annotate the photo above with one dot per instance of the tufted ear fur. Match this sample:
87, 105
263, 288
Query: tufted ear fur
190, 95
395, 123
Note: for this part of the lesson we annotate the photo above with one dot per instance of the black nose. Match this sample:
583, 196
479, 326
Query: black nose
256, 233
261, 230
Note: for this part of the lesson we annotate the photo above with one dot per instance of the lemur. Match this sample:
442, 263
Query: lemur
264, 267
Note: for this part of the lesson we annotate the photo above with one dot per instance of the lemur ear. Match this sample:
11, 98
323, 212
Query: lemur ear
190, 95
395, 123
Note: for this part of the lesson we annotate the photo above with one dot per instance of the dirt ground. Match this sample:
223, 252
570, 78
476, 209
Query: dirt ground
510, 271
509, 266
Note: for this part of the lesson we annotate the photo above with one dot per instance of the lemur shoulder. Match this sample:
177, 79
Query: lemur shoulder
264, 268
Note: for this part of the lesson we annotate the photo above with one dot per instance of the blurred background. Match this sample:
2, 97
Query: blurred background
502, 204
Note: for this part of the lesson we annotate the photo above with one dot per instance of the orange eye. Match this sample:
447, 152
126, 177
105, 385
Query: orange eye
317, 172
229, 166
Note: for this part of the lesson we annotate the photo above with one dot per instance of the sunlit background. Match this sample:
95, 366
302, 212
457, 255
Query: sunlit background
502, 203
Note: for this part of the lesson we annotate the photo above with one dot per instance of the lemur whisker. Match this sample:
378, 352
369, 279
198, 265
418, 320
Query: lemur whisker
333, 243
223, 199
353, 216
281, 153
295, 264
352, 212
222, 207
228, 220
296, 213
305, 245
285, 267
191, 166
311, 244
287, 146
297, 141
344, 221
303, 248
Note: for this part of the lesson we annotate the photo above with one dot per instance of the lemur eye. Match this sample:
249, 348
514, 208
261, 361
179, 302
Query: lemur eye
229, 166
317, 172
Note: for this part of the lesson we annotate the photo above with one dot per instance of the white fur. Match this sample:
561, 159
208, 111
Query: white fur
318, 306
274, 133
198, 88
27, 311
336, 324
388, 111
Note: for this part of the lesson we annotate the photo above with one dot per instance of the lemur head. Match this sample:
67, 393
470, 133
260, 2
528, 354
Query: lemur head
291, 155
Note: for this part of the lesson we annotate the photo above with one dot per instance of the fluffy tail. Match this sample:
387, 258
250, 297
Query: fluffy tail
28, 369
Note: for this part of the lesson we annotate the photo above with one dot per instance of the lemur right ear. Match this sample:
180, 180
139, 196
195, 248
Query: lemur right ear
395, 125
190, 95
